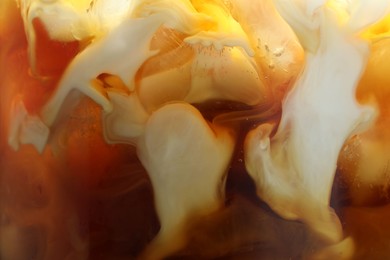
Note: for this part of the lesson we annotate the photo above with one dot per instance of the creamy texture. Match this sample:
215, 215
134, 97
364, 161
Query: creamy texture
147, 62
294, 169
71, 20
212, 76
192, 187
279, 55
134, 76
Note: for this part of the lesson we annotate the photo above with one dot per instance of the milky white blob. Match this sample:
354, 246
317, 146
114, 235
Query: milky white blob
294, 168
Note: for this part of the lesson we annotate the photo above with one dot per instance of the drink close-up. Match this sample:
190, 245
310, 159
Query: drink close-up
194, 129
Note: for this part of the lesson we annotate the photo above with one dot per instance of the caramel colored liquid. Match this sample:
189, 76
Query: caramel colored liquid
85, 199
